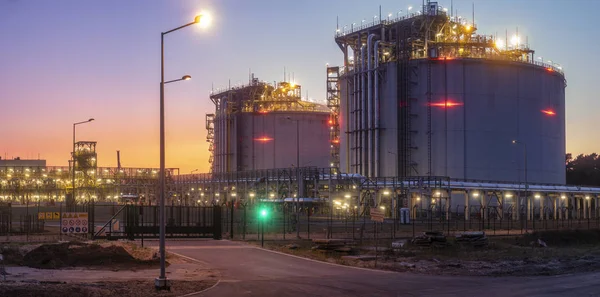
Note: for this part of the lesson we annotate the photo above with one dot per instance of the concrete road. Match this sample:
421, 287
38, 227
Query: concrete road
250, 271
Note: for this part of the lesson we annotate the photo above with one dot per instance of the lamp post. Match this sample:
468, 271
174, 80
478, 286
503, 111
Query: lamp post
297, 175
72, 202
525, 159
161, 282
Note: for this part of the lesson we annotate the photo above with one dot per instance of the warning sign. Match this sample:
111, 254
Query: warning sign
74, 222
48, 216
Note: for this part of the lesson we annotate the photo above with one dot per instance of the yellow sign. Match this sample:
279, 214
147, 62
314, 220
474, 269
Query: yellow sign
75, 215
56, 216
41, 215
48, 216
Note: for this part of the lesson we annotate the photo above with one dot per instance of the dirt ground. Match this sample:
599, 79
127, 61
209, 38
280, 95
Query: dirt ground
137, 288
566, 252
95, 269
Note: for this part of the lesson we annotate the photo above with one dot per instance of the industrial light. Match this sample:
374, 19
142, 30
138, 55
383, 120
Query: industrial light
272, 195
537, 196
386, 193
347, 196
382, 207
445, 104
499, 43
264, 139
203, 19
251, 194
549, 112
515, 40
217, 194
587, 197
563, 197
508, 195
418, 198
233, 194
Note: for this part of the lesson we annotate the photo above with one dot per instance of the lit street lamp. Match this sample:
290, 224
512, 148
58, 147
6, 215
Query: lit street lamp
72, 202
161, 282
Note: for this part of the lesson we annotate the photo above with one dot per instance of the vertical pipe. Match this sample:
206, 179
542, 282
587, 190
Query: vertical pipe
376, 131
369, 110
363, 115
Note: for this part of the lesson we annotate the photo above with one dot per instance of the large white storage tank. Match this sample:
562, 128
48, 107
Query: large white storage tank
425, 95
477, 107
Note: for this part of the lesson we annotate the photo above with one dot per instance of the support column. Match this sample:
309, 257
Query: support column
596, 210
555, 205
542, 210
587, 206
483, 205
448, 205
528, 203
501, 205
467, 212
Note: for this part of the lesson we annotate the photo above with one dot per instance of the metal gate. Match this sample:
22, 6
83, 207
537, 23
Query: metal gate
137, 222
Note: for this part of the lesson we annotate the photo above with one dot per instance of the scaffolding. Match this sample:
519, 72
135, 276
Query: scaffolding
333, 102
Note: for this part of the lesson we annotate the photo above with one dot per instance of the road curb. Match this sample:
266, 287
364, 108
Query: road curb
199, 262
200, 292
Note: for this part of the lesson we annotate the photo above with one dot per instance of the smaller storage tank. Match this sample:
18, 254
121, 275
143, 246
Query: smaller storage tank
265, 126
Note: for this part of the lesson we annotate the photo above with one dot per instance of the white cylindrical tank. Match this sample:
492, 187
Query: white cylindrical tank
476, 108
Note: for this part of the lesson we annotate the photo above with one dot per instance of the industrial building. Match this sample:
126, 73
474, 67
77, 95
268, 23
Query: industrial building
426, 95
263, 126
32, 181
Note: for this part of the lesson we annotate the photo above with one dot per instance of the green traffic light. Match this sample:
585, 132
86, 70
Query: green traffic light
264, 213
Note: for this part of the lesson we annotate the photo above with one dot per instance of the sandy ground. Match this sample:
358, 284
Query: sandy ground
107, 280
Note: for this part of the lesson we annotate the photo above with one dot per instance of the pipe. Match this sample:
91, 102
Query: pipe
376, 103
370, 110
363, 115
352, 119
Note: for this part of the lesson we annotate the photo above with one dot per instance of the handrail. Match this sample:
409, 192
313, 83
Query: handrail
110, 221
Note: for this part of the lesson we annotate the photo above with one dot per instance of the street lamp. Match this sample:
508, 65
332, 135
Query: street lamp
297, 174
70, 205
161, 282
525, 159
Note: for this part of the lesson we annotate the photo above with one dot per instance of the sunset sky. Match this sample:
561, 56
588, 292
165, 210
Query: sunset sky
66, 61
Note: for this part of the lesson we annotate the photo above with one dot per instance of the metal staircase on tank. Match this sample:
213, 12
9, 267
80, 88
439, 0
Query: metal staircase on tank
210, 138
333, 102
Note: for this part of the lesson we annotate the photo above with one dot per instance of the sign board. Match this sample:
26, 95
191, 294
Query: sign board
74, 222
48, 215
376, 215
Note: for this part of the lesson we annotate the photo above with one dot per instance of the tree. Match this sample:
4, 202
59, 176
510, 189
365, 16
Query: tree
583, 170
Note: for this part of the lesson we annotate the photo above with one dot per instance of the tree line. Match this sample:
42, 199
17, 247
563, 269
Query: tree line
583, 169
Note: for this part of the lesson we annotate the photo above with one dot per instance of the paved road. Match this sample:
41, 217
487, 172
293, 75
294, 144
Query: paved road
250, 271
